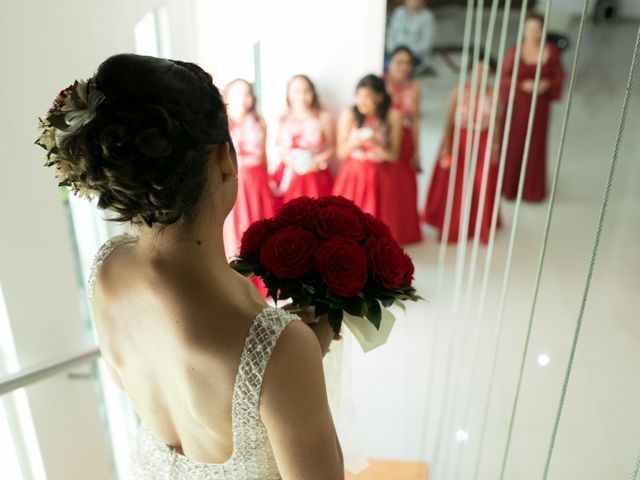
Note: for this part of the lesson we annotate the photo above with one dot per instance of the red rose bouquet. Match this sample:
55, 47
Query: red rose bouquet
329, 255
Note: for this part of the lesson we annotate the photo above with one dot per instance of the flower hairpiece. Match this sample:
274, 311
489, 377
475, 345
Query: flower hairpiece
73, 108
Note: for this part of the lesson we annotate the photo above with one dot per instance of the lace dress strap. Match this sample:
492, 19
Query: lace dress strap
105, 250
248, 430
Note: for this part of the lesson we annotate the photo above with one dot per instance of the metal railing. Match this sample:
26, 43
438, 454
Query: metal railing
43, 370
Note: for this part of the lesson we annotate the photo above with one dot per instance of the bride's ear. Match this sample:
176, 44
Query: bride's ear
227, 161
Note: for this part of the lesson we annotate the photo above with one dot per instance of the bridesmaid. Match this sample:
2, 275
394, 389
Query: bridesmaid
248, 132
306, 143
439, 185
405, 97
549, 89
369, 137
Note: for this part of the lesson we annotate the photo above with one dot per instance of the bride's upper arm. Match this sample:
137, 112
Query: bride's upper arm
295, 409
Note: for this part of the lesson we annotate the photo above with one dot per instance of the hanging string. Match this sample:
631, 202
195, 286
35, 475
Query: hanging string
596, 246
456, 323
636, 467
446, 226
479, 217
523, 170
462, 79
492, 233
468, 197
558, 161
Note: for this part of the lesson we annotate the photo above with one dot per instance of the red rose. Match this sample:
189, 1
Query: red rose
255, 236
343, 264
376, 228
336, 201
297, 212
289, 253
63, 93
335, 221
409, 270
387, 263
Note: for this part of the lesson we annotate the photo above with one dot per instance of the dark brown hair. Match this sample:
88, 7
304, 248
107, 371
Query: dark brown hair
315, 102
146, 153
535, 16
248, 84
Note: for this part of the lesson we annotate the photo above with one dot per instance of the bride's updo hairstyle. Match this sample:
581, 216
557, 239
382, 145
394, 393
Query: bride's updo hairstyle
144, 146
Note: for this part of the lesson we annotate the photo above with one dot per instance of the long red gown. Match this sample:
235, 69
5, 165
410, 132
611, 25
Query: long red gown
403, 216
434, 213
362, 179
254, 201
535, 178
303, 133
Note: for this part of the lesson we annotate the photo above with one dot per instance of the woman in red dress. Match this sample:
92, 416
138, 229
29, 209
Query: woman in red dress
438, 188
405, 97
369, 137
549, 89
306, 143
248, 132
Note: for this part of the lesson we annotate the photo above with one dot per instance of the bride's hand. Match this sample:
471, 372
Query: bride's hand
324, 333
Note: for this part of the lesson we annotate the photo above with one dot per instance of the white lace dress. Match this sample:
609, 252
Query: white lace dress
252, 457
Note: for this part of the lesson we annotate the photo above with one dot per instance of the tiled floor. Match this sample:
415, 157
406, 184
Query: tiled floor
600, 427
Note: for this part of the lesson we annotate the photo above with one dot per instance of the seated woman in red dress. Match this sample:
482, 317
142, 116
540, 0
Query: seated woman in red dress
405, 97
549, 90
439, 185
369, 137
306, 143
248, 132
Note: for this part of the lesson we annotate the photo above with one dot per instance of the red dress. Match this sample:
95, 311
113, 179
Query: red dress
438, 188
254, 201
535, 177
403, 216
302, 135
362, 179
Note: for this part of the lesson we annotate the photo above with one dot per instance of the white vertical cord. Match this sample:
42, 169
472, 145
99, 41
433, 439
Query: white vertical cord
635, 470
523, 170
464, 319
594, 253
553, 190
492, 232
445, 231
462, 79
456, 322
448, 211
479, 216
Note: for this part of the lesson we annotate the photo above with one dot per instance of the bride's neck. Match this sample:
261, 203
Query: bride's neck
198, 240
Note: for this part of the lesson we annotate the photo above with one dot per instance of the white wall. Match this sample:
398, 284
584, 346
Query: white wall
334, 42
44, 46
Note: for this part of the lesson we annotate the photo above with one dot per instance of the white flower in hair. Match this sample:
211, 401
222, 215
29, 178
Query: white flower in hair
73, 108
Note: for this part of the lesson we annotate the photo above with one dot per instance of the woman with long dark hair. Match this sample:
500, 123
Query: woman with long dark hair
369, 137
405, 97
249, 135
306, 143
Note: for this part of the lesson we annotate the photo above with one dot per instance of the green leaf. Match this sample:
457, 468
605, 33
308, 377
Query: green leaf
356, 306
374, 313
335, 319
321, 308
387, 302
57, 120
398, 303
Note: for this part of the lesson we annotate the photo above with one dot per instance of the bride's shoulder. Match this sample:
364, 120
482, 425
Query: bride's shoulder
296, 354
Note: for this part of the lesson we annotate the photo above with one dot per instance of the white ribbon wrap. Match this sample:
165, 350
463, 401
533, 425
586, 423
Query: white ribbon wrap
367, 335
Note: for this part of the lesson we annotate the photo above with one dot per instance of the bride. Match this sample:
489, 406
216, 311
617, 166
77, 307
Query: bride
225, 386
